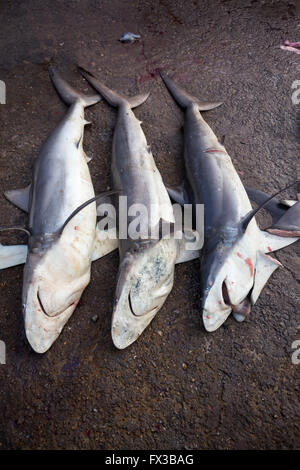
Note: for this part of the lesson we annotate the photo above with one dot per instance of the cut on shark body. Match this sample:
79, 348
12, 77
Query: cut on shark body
146, 270
62, 224
234, 261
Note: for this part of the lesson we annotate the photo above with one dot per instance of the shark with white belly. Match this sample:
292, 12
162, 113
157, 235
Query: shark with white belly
235, 259
62, 229
146, 272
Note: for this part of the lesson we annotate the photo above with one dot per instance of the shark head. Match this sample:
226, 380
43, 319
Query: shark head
145, 279
237, 264
57, 270
53, 282
234, 276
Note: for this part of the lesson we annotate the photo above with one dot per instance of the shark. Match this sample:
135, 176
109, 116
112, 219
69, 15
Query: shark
235, 261
63, 235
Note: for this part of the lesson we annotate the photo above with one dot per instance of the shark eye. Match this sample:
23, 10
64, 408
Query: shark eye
131, 307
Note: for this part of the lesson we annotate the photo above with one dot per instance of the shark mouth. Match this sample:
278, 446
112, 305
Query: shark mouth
41, 328
240, 311
214, 316
73, 304
128, 323
137, 314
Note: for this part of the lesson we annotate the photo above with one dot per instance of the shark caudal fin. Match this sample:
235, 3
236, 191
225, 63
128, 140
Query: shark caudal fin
113, 98
183, 98
68, 94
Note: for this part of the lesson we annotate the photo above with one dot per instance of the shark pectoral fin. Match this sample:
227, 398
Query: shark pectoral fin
266, 203
271, 242
265, 266
19, 197
12, 255
288, 202
289, 224
105, 242
285, 213
274, 207
179, 193
188, 247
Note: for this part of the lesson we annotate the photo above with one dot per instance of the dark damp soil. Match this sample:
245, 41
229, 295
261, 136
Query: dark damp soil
177, 387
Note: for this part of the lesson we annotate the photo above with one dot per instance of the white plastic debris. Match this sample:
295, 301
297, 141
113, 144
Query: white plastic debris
129, 37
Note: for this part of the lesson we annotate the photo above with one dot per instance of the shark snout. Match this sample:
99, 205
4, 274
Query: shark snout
242, 310
42, 330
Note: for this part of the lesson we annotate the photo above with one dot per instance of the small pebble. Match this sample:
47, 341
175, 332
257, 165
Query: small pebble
95, 318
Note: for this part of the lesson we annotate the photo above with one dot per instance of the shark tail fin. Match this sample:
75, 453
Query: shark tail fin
183, 98
68, 94
113, 98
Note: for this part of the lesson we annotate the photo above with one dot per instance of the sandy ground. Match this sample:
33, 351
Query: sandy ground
177, 387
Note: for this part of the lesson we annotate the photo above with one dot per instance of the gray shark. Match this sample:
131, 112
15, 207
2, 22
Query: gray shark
146, 271
63, 238
235, 259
